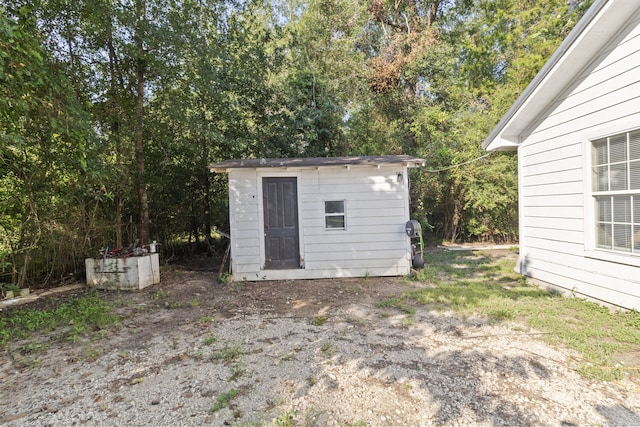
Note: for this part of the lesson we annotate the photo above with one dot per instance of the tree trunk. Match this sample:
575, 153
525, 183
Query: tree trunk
433, 12
115, 117
452, 213
206, 185
139, 127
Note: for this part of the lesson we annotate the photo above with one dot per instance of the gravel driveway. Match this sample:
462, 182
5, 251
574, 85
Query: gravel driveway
325, 352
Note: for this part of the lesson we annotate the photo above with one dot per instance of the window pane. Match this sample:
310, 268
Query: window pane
335, 221
634, 145
619, 177
603, 209
615, 174
618, 148
634, 178
601, 178
603, 236
622, 237
622, 209
600, 152
334, 207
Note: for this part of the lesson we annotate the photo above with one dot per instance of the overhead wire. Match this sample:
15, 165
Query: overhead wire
459, 164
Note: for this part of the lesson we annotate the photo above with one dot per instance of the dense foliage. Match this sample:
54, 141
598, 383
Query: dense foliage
111, 111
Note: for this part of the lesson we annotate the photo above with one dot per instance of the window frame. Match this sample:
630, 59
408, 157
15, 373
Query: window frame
342, 214
594, 192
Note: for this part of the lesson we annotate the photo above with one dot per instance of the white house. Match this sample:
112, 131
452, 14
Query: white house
308, 218
576, 129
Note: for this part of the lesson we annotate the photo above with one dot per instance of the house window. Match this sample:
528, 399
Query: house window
616, 192
334, 218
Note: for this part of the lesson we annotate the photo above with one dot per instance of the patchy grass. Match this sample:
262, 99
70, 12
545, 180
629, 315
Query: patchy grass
223, 400
399, 304
286, 357
286, 419
228, 353
319, 320
204, 320
328, 349
477, 283
160, 294
237, 371
209, 340
70, 319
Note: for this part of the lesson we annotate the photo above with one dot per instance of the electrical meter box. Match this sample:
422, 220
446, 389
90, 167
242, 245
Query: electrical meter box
412, 228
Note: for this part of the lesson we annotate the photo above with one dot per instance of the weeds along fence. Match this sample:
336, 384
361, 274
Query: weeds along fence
184, 245
52, 256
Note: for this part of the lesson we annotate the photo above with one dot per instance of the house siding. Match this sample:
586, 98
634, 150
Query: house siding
243, 220
555, 222
373, 243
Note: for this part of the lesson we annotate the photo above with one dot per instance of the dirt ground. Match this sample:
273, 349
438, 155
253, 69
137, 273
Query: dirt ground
194, 351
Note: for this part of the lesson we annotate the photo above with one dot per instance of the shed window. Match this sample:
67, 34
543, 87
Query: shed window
334, 217
616, 192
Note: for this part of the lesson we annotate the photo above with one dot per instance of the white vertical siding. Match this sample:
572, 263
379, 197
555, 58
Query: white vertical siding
243, 221
373, 243
555, 223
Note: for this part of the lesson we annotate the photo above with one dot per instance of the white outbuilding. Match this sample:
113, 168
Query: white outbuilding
308, 218
576, 129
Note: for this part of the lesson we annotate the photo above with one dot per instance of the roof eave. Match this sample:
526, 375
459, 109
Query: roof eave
316, 163
227, 170
218, 170
501, 143
415, 164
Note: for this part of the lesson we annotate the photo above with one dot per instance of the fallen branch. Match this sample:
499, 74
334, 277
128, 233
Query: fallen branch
502, 335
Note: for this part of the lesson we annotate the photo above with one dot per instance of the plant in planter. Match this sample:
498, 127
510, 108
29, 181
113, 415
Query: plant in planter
9, 290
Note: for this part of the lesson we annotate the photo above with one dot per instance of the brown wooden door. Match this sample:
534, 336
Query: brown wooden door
280, 203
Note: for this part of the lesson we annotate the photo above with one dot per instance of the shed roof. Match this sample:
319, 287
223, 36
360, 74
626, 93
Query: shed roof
600, 24
316, 162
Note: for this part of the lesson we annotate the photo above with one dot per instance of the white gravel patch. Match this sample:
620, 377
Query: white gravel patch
364, 365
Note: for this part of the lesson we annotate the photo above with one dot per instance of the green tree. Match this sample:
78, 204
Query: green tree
487, 52
212, 101
46, 144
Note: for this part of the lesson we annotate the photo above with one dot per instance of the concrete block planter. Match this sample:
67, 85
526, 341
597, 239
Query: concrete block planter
14, 293
123, 273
